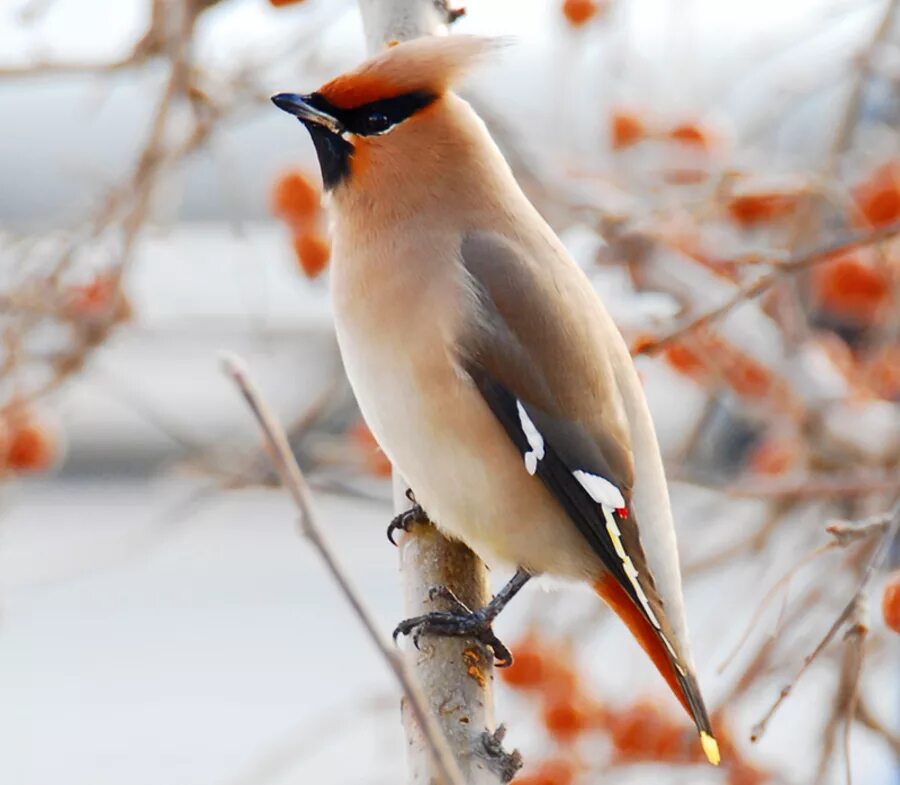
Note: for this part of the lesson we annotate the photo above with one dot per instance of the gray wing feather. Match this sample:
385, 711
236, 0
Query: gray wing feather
517, 349
543, 357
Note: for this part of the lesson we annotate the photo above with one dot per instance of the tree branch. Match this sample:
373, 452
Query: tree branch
456, 674
292, 478
765, 282
887, 524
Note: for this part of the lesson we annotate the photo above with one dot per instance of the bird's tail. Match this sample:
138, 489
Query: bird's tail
678, 676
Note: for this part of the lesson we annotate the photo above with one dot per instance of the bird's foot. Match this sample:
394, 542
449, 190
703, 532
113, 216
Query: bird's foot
405, 520
459, 622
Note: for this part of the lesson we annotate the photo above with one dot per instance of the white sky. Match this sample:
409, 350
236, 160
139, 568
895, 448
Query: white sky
92, 29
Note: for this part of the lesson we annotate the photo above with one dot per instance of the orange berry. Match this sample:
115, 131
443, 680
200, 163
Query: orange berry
580, 12
527, 669
542, 668
756, 208
625, 129
890, 602
375, 461
684, 360
774, 456
642, 343
30, 447
295, 199
632, 731
848, 287
878, 198
669, 743
741, 773
560, 681
883, 373
312, 251
565, 719
689, 133
749, 377
5, 439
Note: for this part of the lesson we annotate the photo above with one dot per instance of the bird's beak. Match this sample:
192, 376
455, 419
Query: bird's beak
299, 106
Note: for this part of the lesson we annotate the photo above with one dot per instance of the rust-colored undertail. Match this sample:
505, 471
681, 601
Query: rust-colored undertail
682, 685
619, 601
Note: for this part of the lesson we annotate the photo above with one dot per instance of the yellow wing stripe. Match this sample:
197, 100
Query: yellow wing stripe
710, 748
616, 536
631, 571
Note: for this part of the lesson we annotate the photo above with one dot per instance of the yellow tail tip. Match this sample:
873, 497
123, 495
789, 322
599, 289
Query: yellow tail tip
710, 748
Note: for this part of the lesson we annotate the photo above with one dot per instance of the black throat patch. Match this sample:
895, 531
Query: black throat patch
334, 154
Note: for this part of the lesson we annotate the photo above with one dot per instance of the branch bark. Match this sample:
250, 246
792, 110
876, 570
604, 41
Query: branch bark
456, 675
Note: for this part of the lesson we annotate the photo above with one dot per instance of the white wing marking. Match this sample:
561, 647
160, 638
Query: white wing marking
534, 438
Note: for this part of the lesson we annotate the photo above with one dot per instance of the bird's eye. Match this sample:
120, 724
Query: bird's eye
376, 122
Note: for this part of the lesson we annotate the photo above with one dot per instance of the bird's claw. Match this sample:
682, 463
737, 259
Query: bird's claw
458, 623
406, 519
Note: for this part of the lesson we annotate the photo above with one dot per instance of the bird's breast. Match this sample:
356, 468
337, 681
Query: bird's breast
429, 418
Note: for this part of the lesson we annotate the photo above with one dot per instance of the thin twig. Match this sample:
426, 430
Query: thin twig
850, 118
855, 654
765, 282
760, 662
819, 485
770, 595
879, 552
845, 532
66, 68
295, 483
866, 718
751, 544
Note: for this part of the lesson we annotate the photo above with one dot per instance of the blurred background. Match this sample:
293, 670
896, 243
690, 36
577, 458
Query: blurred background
161, 622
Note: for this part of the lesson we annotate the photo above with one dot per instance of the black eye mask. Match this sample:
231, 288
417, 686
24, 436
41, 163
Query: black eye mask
328, 125
377, 117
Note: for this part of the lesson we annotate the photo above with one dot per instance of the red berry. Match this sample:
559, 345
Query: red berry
312, 251
625, 129
580, 12
30, 447
878, 198
890, 602
295, 199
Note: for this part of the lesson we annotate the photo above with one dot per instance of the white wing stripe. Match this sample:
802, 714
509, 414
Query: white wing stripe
534, 438
600, 489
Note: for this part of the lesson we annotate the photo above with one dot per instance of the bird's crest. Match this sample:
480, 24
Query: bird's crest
428, 65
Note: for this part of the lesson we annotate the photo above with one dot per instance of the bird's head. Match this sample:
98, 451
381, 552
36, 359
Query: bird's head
374, 112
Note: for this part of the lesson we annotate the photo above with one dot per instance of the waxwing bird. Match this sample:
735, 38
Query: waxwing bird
482, 359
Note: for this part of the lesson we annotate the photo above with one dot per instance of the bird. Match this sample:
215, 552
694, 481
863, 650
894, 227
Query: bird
482, 358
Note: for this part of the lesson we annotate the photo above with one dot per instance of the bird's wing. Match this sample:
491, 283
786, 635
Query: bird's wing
531, 367
550, 383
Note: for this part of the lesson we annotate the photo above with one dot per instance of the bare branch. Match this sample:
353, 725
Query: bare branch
765, 282
848, 691
850, 117
822, 485
879, 551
